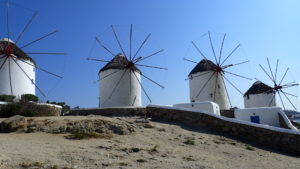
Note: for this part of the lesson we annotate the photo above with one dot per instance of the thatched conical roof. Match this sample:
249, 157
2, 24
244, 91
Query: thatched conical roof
258, 88
204, 65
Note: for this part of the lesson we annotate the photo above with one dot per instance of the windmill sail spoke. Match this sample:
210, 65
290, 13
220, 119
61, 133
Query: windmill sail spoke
189, 60
271, 70
143, 58
26, 26
288, 99
230, 65
99, 60
230, 54
226, 92
29, 78
3, 63
281, 100
272, 100
153, 81
266, 73
114, 89
43, 37
104, 47
205, 85
46, 71
133, 101
9, 73
130, 41
199, 50
216, 84
155, 67
221, 48
288, 93
212, 48
143, 43
284, 76
44, 53
276, 70
119, 43
130, 83
238, 75
291, 85
233, 85
142, 87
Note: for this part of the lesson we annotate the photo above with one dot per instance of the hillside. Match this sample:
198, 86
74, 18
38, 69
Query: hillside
150, 145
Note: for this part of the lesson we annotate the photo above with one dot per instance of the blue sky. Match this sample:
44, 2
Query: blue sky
264, 28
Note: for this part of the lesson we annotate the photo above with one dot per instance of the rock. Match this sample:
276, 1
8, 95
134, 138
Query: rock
14, 124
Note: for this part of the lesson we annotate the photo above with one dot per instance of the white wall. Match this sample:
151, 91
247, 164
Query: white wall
207, 94
260, 100
209, 107
267, 115
122, 95
20, 83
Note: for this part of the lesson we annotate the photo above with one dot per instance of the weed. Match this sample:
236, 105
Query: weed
189, 140
249, 148
79, 135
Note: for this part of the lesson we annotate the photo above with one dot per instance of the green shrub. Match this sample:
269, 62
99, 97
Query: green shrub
29, 98
189, 140
7, 98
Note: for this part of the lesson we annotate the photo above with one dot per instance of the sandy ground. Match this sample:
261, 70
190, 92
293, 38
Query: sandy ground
159, 147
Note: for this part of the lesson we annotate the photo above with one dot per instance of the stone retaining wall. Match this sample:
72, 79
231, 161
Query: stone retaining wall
122, 111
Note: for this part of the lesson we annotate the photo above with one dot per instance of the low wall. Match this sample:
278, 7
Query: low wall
121, 111
272, 137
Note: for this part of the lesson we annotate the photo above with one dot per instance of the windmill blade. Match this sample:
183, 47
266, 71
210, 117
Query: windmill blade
39, 68
117, 84
271, 70
233, 85
130, 42
238, 75
231, 65
44, 53
110, 74
99, 60
216, 87
291, 85
288, 93
133, 100
3, 63
212, 48
226, 92
205, 84
29, 78
142, 87
284, 75
143, 58
266, 73
288, 99
281, 100
143, 43
104, 47
221, 48
154, 67
43, 37
119, 43
153, 81
199, 75
276, 70
199, 50
130, 83
272, 100
189, 60
9, 73
26, 26
230, 54
287, 84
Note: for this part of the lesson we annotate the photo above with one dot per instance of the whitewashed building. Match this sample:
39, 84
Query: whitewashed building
17, 72
204, 86
119, 83
260, 95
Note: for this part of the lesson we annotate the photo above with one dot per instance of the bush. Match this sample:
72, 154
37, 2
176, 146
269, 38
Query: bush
7, 98
29, 98
65, 107
189, 140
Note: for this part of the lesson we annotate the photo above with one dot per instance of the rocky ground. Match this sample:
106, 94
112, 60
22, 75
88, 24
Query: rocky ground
135, 143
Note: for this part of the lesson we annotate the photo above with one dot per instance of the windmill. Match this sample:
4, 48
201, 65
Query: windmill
120, 79
262, 95
17, 68
206, 79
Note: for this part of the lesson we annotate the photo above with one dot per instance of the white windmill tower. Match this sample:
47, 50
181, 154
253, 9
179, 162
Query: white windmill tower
17, 68
120, 79
262, 95
207, 78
